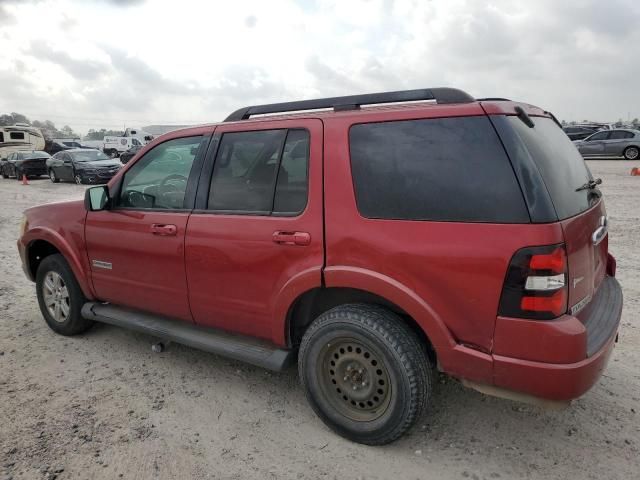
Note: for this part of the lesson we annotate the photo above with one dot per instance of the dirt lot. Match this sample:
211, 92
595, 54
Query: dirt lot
102, 405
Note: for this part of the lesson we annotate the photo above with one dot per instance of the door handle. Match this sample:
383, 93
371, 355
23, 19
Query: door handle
292, 238
163, 229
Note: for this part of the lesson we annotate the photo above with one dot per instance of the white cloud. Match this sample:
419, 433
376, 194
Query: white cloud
107, 63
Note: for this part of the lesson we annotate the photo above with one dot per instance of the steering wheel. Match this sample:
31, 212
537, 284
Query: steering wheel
166, 186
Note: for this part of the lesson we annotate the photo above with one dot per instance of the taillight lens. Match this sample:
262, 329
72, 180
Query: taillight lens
536, 284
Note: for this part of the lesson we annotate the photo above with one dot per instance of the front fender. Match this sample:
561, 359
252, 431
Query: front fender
72, 254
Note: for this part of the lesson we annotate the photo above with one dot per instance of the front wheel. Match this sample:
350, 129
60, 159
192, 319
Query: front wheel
366, 374
631, 153
53, 177
60, 297
78, 179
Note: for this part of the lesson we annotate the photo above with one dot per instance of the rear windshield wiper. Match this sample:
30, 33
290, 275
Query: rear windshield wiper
590, 185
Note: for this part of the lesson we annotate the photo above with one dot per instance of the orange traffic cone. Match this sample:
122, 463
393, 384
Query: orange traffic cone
635, 171
25, 181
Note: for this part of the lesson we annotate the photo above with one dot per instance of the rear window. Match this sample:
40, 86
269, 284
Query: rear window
446, 169
34, 154
561, 166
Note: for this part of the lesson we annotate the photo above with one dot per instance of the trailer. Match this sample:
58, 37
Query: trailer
20, 137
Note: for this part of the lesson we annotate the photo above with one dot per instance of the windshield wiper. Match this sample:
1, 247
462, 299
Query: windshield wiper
590, 185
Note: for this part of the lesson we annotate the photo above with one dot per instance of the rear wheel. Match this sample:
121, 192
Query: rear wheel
365, 373
60, 297
631, 153
52, 176
78, 179
4, 173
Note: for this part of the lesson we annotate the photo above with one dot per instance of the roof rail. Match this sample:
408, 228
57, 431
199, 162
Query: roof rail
494, 99
353, 102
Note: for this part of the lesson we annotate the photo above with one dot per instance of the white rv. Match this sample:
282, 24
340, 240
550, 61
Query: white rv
20, 137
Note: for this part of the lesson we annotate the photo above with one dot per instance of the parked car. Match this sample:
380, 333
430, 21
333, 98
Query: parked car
82, 166
129, 154
611, 143
578, 133
31, 164
368, 244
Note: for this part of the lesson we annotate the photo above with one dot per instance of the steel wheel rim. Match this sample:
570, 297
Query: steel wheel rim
56, 297
78, 180
632, 153
354, 379
52, 175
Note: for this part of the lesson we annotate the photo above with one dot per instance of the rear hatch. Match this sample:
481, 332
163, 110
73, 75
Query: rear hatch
577, 202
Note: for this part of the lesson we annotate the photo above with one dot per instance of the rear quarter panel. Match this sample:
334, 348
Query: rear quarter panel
447, 275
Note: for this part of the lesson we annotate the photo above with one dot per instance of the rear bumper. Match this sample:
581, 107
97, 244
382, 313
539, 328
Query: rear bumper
563, 358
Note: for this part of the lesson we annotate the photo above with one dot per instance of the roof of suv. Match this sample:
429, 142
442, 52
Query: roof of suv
373, 104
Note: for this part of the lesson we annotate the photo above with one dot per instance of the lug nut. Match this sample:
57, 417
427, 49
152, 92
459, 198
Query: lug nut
346, 378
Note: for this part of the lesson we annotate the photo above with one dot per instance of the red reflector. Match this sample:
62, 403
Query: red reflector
555, 261
556, 303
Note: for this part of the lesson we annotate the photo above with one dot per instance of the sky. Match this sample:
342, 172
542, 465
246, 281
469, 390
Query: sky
115, 63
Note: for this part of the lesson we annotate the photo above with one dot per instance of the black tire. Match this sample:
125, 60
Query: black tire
4, 173
631, 153
350, 349
53, 177
73, 323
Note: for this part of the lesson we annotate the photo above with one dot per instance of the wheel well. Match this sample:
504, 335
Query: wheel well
313, 303
38, 250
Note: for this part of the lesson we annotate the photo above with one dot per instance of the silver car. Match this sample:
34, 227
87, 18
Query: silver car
621, 142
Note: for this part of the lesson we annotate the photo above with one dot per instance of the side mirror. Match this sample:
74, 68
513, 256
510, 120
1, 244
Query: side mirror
96, 198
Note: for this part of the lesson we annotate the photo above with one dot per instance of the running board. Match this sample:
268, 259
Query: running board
246, 349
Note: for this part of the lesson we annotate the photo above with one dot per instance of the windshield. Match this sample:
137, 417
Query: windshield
561, 166
89, 156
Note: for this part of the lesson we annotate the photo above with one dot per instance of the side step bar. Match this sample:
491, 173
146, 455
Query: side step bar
245, 349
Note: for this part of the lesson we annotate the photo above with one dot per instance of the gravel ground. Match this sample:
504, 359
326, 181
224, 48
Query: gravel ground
102, 405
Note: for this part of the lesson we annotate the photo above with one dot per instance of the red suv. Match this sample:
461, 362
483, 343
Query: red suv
376, 237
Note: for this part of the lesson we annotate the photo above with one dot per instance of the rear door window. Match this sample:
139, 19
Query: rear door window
447, 169
620, 135
561, 166
261, 172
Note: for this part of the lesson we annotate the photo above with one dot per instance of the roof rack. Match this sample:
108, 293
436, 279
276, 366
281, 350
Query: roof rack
353, 102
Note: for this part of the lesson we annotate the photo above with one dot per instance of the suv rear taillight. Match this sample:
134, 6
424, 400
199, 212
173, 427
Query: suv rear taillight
536, 284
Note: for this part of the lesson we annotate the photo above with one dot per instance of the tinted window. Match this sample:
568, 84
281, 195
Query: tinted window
620, 134
261, 172
449, 169
560, 164
598, 136
1, 137
16, 135
244, 173
292, 183
159, 178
